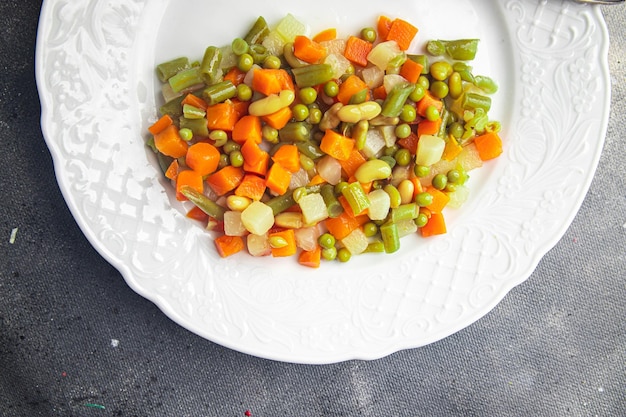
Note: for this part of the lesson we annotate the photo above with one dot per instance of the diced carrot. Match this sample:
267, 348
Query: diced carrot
290, 248
417, 186
380, 92
222, 116
228, 245
342, 225
316, 180
203, 158
278, 119
225, 180
427, 101
488, 145
271, 81
337, 145
172, 170
326, 35
195, 101
383, 26
452, 149
311, 258
288, 157
160, 125
191, 178
428, 127
409, 143
357, 50
252, 152
402, 32
196, 213
411, 70
169, 142
351, 86
248, 127
278, 179
354, 161
436, 225
235, 76
440, 200
241, 107
260, 168
308, 50
252, 186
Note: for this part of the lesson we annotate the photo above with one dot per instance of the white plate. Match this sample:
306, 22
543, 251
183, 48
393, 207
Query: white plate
94, 70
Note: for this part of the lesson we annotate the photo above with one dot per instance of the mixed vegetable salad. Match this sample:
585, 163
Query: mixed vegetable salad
324, 147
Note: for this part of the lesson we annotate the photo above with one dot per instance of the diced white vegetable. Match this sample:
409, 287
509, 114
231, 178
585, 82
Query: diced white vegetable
458, 197
313, 208
329, 169
391, 80
299, 179
274, 43
373, 76
374, 143
289, 220
429, 150
338, 63
233, 225
258, 218
334, 46
379, 204
258, 245
399, 174
389, 135
382, 53
306, 237
469, 158
229, 59
289, 27
356, 242
406, 227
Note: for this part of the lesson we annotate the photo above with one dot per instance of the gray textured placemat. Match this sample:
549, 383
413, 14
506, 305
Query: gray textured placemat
75, 340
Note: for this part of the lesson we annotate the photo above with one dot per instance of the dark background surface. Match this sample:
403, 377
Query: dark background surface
75, 340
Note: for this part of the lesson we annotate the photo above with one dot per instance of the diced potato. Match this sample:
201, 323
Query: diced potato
373, 77
374, 143
334, 46
258, 245
233, 225
338, 63
289, 27
329, 169
469, 158
258, 218
356, 242
406, 227
391, 80
306, 237
382, 53
458, 197
274, 43
380, 203
389, 135
313, 208
429, 150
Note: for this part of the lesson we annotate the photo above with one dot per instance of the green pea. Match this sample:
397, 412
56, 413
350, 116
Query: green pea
245, 62
315, 115
231, 146
272, 62
270, 134
223, 161
370, 229
421, 220
421, 171
306, 163
308, 95
186, 134
368, 34
330, 254
403, 157
244, 92
390, 150
219, 136
424, 199
451, 187
439, 89
418, 93
440, 181
408, 113
403, 130
344, 255
454, 176
424, 82
331, 89
440, 70
300, 112
456, 129
432, 113
298, 193
236, 158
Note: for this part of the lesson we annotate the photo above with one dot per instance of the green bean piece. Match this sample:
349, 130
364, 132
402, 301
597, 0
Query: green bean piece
310, 149
168, 69
210, 66
359, 97
197, 126
185, 79
423, 61
404, 212
257, 32
312, 75
436, 47
164, 160
375, 247
173, 108
192, 112
332, 204
259, 54
239, 46
395, 100
281, 203
390, 160
359, 133
462, 49
291, 59
390, 237
203, 202
486, 84
356, 197
472, 101
445, 119
220, 92
295, 132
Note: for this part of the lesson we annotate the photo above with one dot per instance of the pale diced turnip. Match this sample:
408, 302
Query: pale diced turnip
233, 225
313, 208
258, 245
429, 150
356, 242
379, 204
257, 218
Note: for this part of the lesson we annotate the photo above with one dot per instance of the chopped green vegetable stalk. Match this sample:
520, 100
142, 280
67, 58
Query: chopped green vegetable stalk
257, 32
332, 204
395, 100
312, 75
185, 79
220, 92
356, 197
168, 69
390, 237
210, 66
203, 202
